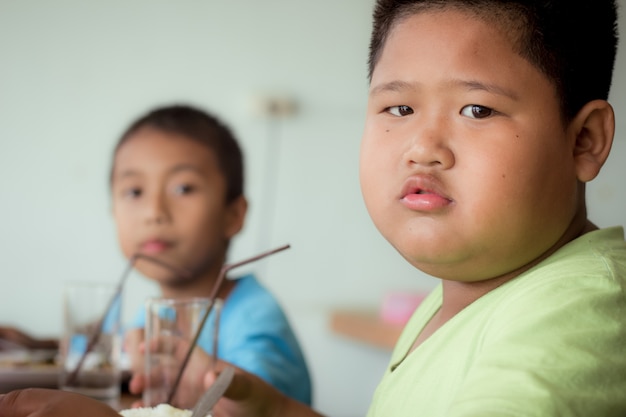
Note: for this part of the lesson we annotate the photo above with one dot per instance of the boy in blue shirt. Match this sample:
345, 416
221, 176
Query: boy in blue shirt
177, 186
177, 191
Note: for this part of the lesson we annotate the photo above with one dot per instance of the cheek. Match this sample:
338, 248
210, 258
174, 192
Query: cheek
531, 184
203, 222
369, 159
125, 241
124, 228
376, 184
366, 179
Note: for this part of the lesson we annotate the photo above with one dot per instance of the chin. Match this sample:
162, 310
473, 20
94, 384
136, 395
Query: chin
175, 282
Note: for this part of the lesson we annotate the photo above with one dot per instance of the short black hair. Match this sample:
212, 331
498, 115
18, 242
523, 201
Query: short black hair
199, 126
573, 43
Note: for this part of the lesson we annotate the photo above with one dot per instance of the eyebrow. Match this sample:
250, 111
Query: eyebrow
186, 167
398, 86
392, 86
490, 88
177, 168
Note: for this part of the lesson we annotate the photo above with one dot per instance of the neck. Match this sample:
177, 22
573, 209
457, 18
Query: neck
458, 295
204, 290
199, 285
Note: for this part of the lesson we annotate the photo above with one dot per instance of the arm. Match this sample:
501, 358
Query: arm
255, 335
16, 336
250, 396
35, 402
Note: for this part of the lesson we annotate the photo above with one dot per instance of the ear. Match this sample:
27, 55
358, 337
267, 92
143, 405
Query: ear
595, 127
235, 216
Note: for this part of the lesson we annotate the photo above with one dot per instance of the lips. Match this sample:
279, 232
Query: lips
424, 193
154, 246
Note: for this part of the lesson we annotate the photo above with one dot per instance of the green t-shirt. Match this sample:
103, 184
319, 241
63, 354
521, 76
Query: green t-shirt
551, 342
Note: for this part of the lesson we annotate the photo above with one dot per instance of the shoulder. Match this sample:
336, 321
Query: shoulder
580, 286
249, 291
251, 301
590, 270
558, 329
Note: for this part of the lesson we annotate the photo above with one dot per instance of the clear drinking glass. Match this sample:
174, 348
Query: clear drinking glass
171, 325
90, 346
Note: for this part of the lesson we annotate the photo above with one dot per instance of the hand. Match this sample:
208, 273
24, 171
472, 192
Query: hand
250, 396
18, 337
37, 402
191, 384
133, 346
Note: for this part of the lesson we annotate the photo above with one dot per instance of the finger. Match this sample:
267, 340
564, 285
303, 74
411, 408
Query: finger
137, 383
165, 344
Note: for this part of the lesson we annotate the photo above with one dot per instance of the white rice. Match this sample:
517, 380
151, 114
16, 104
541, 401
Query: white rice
161, 410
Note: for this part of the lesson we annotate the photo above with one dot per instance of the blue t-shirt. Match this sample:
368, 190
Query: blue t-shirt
255, 335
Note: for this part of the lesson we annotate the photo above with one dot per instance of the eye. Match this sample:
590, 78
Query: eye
476, 111
132, 193
183, 189
399, 110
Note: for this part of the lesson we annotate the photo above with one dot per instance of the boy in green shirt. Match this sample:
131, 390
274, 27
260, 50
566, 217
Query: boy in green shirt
485, 120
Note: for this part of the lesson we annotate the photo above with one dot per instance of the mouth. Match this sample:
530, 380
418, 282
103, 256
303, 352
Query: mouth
422, 186
154, 246
424, 193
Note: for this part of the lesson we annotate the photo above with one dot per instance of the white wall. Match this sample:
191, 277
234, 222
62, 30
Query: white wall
73, 74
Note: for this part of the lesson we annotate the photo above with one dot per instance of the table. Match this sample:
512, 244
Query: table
365, 326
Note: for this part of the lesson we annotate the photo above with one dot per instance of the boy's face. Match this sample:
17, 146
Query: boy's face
466, 167
169, 203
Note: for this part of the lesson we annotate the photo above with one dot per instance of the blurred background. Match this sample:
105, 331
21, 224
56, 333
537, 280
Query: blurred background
74, 74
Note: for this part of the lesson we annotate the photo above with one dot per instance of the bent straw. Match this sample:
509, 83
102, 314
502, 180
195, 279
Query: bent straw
98, 331
212, 297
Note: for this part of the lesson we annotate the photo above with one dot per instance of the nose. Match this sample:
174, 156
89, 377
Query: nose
428, 143
156, 209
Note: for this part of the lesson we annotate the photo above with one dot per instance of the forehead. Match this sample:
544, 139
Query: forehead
449, 43
510, 21
450, 28
150, 148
